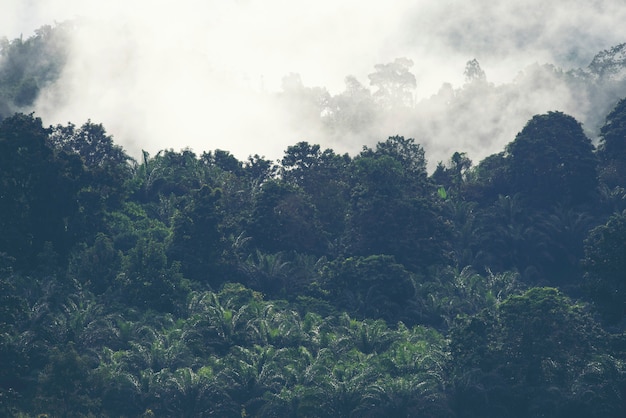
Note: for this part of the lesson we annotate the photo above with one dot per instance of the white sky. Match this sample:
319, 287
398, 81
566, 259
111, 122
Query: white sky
171, 74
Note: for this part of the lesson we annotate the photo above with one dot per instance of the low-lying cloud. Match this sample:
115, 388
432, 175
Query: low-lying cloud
210, 74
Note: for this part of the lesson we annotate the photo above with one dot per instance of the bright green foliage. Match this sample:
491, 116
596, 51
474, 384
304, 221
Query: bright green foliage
246, 354
131, 223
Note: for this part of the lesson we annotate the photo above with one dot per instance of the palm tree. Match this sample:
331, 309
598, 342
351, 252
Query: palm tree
119, 389
63, 383
186, 393
564, 230
463, 217
217, 322
403, 397
164, 352
249, 374
284, 327
368, 336
298, 396
290, 402
341, 391
266, 272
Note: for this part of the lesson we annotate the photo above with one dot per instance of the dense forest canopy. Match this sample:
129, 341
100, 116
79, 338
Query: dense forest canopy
322, 284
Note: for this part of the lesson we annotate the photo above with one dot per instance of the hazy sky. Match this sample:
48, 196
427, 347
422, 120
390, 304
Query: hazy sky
171, 74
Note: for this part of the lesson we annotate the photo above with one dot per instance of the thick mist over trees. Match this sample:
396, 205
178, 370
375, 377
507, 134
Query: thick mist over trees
142, 70
478, 117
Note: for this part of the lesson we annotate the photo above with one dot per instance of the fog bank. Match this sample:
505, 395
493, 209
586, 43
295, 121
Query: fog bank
211, 74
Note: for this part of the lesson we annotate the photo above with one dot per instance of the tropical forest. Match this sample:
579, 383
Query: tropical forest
186, 283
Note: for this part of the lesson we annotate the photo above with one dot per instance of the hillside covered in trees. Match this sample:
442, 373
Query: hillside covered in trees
319, 285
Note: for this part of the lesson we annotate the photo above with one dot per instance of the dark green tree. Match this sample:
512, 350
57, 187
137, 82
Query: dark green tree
168, 174
393, 208
96, 148
373, 287
285, 219
38, 191
552, 161
612, 147
147, 281
530, 357
453, 175
224, 160
323, 176
97, 266
195, 241
104, 179
489, 179
259, 169
409, 154
605, 267
64, 384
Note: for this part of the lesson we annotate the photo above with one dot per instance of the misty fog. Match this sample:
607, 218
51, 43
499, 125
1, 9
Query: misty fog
253, 77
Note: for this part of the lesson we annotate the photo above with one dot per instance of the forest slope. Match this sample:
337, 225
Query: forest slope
322, 284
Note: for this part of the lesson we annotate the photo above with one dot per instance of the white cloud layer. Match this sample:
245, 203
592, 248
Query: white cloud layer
203, 74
